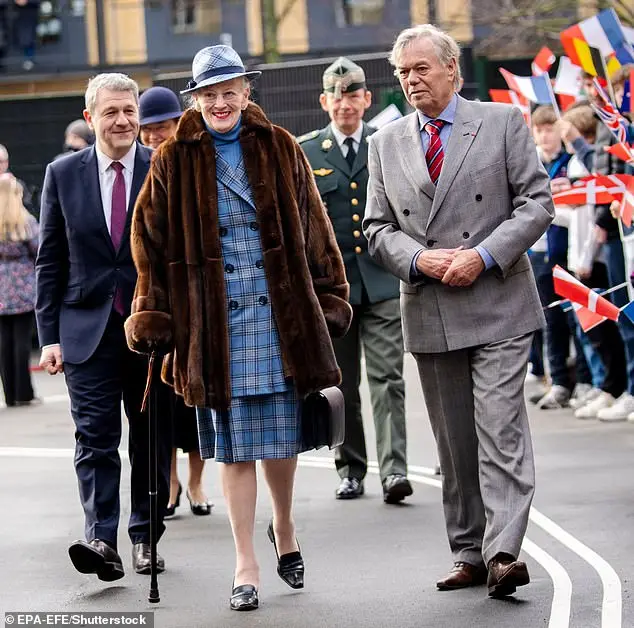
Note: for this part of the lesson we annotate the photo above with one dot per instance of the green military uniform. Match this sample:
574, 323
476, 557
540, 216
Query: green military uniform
374, 296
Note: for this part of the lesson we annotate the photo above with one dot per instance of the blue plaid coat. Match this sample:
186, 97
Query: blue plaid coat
263, 420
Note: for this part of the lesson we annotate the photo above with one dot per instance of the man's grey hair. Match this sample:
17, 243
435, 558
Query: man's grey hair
113, 81
4, 153
445, 45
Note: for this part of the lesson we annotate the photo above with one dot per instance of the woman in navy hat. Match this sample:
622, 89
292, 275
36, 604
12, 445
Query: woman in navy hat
160, 110
241, 281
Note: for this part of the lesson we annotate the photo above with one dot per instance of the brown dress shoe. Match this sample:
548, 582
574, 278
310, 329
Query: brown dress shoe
505, 575
463, 575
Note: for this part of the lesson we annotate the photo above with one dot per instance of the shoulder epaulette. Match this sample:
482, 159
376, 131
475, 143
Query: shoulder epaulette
307, 136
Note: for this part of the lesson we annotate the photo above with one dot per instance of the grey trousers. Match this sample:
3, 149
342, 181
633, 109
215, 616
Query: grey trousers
475, 399
377, 329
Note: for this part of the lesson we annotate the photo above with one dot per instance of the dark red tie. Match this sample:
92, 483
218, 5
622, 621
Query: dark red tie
118, 217
435, 153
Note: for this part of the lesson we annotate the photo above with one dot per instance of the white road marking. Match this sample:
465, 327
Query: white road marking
562, 585
612, 607
611, 613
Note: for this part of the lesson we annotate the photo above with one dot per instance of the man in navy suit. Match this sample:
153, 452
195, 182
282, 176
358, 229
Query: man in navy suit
85, 281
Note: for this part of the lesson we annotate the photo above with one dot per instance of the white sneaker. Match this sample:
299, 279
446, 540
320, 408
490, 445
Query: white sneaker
578, 401
557, 397
591, 409
580, 391
622, 408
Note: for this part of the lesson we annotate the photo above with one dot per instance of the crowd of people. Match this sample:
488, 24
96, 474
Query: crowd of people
588, 241
260, 267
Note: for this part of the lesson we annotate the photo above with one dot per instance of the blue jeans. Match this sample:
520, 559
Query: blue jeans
615, 261
597, 370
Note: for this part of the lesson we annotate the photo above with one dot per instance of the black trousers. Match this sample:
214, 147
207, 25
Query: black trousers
96, 388
15, 350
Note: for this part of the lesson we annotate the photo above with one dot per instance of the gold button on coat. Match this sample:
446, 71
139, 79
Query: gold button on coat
357, 249
356, 234
355, 201
354, 185
356, 217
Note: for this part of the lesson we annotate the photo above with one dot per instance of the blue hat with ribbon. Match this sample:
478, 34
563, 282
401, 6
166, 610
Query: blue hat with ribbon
216, 64
158, 104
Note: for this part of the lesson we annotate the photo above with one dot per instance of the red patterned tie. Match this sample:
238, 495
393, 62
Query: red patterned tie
435, 153
118, 217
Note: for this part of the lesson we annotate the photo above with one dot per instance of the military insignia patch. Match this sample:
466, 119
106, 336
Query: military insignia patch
322, 172
326, 144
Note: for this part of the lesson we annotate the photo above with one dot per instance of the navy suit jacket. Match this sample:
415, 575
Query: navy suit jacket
77, 267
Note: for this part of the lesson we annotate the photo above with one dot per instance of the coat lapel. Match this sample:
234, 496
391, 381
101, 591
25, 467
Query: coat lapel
89, 173
334, 155
141, 168
235, 180
464, 131
410, 147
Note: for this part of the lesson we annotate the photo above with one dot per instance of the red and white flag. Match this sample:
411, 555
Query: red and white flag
622, 151
568, 287
626, 210
587, 319
510, 97
543, 61
587, 191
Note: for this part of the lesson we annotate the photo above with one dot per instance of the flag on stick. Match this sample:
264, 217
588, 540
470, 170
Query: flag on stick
535, 88
587, 319
626, 211
570, 288
568, 79
603, 31
543, 61
587, 57
510, 97
610, 115
622, 151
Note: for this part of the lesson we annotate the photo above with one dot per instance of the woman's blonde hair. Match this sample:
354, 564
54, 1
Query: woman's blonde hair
14, 217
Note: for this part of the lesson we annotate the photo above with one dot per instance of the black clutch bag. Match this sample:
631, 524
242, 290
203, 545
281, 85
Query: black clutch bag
323, 419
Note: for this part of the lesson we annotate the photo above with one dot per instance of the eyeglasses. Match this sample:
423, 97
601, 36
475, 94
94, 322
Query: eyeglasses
211, 98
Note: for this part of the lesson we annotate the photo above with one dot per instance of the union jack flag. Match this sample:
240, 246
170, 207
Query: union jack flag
610, 115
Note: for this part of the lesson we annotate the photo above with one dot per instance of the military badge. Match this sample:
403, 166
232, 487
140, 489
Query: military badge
322, 172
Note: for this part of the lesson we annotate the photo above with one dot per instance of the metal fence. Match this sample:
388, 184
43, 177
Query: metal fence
33, 128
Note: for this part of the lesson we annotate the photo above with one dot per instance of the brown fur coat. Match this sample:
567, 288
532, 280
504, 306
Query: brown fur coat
180, 305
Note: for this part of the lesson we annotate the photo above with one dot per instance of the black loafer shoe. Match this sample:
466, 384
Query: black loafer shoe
350, 488
244, 598
141, 560
290, 567
96, 557
396, 488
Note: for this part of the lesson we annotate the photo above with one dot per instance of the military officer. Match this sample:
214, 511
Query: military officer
338, 156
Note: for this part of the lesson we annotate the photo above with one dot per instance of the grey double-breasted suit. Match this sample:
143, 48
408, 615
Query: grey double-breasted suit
471, 343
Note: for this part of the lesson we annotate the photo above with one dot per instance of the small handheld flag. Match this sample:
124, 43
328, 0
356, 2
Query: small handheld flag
570, 288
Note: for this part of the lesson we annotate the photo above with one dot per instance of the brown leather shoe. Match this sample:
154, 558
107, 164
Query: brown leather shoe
463, 575
505, 575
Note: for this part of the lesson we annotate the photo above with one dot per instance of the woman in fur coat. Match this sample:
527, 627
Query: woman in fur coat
241, 285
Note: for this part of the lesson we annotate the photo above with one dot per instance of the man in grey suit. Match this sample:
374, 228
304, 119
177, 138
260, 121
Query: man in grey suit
456, 197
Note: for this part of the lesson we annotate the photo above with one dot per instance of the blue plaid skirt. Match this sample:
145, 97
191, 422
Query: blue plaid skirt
255, 428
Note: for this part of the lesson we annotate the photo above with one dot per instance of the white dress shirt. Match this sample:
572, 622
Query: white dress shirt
107, 176
341, 138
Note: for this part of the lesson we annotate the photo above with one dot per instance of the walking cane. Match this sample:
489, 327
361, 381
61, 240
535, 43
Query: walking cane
150, 401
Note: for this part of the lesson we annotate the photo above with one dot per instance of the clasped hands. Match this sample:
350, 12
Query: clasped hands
454, 267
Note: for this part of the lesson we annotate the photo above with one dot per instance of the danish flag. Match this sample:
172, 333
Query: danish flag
510, 97
568, 287
622, 151
626, 211
543, 61
587, 319
594, 190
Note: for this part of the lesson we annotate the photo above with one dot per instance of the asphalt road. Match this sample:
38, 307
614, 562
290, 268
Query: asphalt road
368, 564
